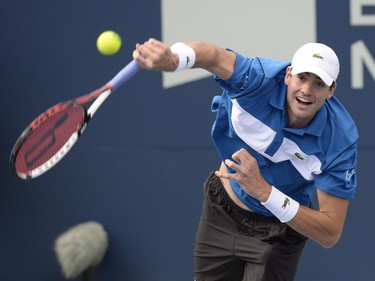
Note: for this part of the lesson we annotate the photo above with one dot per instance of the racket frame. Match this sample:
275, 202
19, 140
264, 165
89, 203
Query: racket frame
98, 96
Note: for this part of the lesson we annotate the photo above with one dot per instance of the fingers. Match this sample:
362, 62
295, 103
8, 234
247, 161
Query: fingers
239, 157
231, 164
137, 56
151, 47
142, 52
235, 167
241, 154
154, 55
242, 162
245, 171
224, 175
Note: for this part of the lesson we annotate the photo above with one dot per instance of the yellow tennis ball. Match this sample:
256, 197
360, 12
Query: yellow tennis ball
108, 43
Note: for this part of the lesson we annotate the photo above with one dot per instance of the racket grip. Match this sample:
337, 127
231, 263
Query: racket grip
124, 75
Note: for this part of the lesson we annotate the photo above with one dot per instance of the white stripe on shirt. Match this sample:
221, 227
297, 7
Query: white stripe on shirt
259, 137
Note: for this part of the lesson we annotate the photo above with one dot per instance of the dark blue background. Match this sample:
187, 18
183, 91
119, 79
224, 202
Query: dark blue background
139, 167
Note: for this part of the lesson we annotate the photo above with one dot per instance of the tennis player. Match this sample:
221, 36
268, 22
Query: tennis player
283, 139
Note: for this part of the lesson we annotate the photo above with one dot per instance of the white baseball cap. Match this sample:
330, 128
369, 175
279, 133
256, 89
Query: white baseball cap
319, 59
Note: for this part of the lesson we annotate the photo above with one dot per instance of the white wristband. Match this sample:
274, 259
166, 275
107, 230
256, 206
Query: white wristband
281, 205
186, 55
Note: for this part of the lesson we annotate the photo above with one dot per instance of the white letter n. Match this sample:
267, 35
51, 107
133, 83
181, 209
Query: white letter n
360, 57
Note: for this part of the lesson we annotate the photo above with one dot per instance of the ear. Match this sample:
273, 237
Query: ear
288, 75
332, 90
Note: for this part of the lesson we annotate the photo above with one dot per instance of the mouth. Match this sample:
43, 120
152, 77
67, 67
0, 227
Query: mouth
303, 101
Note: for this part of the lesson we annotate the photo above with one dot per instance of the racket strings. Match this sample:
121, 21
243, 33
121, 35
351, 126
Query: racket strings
42, 143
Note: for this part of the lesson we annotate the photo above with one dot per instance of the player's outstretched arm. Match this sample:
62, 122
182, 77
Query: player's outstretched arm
156, 55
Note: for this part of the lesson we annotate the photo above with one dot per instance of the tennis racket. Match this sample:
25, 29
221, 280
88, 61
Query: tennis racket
53, 133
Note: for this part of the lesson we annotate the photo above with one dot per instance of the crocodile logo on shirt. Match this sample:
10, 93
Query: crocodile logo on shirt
299, 156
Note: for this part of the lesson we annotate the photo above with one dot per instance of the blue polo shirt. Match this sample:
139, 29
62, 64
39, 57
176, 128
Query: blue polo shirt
251, 114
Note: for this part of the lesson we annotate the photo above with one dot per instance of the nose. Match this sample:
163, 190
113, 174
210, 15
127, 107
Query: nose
306, 88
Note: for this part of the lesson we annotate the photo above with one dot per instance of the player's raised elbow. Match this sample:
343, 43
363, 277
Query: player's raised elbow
330, 240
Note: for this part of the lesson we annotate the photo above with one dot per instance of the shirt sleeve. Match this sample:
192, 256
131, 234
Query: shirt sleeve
247, 76
340, 178
252, 75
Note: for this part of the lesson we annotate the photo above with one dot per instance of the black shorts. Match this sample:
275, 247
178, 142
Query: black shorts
238, 245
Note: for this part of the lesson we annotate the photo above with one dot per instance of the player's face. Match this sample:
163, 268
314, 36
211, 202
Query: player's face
306, 94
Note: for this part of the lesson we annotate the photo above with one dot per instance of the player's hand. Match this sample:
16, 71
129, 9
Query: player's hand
155, 55
247, 174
